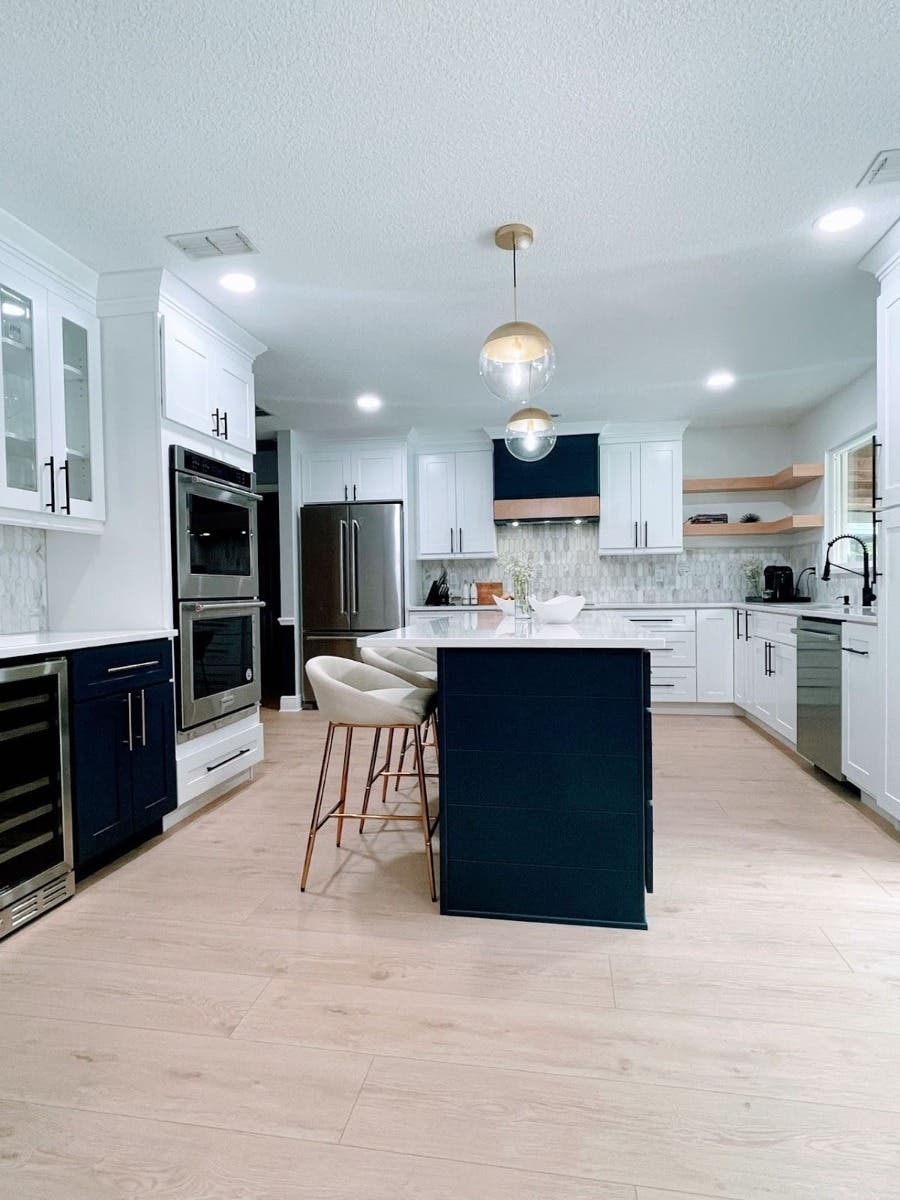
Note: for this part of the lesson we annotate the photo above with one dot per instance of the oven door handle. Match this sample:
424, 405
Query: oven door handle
220, 483
201, 606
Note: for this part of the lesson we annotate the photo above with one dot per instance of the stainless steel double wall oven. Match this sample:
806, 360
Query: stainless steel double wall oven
216, 581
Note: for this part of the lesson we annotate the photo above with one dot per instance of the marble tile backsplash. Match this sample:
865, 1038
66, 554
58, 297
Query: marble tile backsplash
567, 560
23, 580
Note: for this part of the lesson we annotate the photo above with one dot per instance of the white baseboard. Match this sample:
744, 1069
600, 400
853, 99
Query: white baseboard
291, 703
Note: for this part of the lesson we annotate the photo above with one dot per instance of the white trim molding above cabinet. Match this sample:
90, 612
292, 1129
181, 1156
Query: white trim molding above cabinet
361, 471
51, 417
641, 482
455, 505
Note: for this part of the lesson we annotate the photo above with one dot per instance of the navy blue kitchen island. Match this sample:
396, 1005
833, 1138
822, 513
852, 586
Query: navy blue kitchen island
545, 767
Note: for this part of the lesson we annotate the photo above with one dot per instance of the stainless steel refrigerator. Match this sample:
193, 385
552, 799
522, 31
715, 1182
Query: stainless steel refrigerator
351, 576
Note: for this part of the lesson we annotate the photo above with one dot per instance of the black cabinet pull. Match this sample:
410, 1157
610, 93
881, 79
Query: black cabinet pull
67, 507
645, 535
216, 425
460, 539
635, 535
51, 463
354, 491
850, 650
225, 419
345, 492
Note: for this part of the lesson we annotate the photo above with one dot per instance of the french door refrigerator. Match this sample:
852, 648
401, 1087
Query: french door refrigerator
351, 576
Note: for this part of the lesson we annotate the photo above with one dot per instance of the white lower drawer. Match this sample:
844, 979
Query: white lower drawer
669, 684
680, 650
212, 765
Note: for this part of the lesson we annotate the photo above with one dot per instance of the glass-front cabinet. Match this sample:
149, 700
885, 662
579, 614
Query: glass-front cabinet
51, 459
24, 419
77, 417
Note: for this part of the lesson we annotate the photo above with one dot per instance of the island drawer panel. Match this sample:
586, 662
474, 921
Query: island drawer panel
554, 782
539, 838
543, 893
606, 675
604, 727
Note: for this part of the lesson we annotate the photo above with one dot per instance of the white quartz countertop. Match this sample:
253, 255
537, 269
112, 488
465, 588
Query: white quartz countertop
830, 612
56, 641
456, 630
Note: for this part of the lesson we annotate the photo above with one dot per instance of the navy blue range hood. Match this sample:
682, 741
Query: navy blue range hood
562, 487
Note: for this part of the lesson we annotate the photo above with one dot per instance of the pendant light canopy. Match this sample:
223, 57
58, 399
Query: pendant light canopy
517, 360
530, 434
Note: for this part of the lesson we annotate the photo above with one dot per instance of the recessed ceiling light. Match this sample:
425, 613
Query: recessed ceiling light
839, 220
368, 402
720, 380
236, 281
11, 309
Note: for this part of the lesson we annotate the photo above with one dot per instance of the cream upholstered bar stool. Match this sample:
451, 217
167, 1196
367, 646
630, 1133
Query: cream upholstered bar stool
419, 671
354, 696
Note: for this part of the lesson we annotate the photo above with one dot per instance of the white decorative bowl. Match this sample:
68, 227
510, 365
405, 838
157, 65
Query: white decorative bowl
561, 610
508, 607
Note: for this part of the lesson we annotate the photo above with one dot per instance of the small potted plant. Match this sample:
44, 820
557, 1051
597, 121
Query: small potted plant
520, 569
753, 574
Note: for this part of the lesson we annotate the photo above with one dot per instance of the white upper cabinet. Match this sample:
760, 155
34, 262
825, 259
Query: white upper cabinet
376, 473
333, 474
455, 505
640, 496
51, 459
207, 385
889, 389
77, 412
715, 655
862, 736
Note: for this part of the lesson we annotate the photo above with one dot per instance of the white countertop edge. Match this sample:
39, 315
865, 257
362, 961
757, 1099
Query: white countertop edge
813, 610
457, 631
53, 641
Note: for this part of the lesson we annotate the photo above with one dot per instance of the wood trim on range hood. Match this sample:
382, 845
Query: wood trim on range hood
559, 508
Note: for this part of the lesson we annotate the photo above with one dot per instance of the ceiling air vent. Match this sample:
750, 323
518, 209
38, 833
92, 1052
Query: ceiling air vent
884, 168
213, 243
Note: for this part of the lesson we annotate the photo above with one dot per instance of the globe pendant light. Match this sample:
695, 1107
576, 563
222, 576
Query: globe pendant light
517, 360
530, 434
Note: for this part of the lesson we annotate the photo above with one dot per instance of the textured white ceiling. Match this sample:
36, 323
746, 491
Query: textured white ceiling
671, 155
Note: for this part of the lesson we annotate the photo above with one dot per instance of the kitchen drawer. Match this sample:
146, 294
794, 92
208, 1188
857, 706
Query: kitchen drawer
202, 770
669, 684
105, 670
773, 627
680, 650
659, 618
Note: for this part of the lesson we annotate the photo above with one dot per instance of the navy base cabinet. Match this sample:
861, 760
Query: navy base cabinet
123, 747
545, 785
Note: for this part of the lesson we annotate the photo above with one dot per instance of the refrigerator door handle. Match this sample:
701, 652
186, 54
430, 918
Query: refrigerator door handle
343, 556
354, 565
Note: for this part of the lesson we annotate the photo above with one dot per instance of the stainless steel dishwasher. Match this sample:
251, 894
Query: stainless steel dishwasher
819, 693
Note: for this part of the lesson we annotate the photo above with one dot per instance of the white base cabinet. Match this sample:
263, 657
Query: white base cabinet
862, 733
715, 656
772, 684
743, 660
889, 603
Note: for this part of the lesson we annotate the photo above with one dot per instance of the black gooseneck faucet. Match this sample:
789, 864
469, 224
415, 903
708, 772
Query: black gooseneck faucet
868, 592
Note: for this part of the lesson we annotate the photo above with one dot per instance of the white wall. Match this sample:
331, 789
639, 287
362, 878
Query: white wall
836, 420
736, 450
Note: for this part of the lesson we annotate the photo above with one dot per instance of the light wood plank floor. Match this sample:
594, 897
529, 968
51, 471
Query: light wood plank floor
191, 1027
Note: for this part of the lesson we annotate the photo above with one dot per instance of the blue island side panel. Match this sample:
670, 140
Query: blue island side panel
545, 785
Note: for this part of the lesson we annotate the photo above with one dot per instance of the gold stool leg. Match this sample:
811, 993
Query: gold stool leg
426, 819
387, 765
370, 779
317, 807
403, 747
344, 773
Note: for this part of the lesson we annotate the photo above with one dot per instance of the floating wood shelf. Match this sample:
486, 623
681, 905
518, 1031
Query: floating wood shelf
793, 524
791, 477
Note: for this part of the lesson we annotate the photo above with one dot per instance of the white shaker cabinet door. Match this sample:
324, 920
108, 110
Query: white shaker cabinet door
377, 473
233, 404
715, 655
186, 374
620, 496
862, 734
889, 607
476, 534
326, 476
661, 501
889, 389
783, 661
762, 680
436, 503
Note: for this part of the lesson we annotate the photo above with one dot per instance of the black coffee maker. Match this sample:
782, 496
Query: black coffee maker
778, 584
